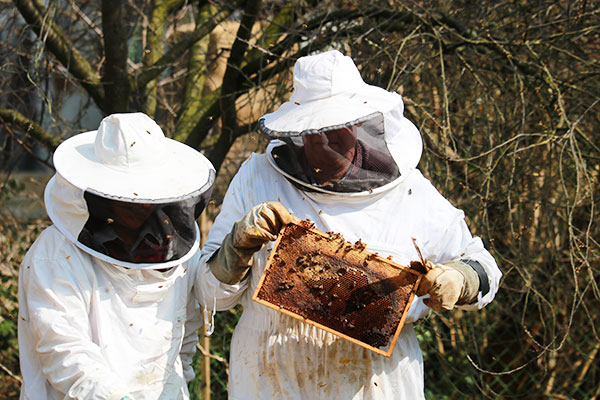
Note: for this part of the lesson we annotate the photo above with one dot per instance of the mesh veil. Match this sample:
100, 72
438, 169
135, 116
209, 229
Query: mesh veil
351, 157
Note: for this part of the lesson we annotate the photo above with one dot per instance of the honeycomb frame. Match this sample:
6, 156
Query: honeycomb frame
338, 286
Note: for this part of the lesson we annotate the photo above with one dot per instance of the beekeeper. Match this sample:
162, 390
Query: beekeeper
342, 155
106, 293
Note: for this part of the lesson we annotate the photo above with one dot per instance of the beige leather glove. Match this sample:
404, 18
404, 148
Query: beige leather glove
449, 284
232, 261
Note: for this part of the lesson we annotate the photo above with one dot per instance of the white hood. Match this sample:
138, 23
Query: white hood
329, 93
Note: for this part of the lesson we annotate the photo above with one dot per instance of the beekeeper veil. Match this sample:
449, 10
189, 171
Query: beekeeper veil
338, 134
128, 195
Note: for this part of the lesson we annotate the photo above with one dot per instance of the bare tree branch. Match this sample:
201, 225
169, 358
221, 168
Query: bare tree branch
231, 83
59, 45
115, 77
200, 122
141, 80
161, 9
195, 97
30, 128
254, 71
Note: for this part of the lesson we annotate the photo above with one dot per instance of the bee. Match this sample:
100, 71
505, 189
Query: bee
360, 245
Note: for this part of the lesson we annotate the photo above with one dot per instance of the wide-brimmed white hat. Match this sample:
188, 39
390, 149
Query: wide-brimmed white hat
130, 158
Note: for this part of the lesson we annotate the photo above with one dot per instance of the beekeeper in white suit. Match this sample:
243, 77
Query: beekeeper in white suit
106, 294
342, 155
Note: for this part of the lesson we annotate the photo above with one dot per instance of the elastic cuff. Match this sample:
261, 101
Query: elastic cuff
484, 283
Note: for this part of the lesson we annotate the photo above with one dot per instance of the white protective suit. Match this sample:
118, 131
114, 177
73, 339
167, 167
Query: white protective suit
92, 327
100, 331
277, 356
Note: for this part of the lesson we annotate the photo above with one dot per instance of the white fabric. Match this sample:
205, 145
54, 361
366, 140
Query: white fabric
92, 330
328, 92
68, 211
130, 157
276, 356
324, 75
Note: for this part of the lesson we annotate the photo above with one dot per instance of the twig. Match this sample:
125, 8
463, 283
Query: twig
9, 372
86, 19
426, 265
414, 240
206, 353
478, 368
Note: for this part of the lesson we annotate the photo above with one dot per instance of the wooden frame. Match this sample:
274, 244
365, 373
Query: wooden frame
331, 238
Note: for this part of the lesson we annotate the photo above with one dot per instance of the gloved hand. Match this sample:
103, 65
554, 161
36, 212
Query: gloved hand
449, 284
260, 225
231, 263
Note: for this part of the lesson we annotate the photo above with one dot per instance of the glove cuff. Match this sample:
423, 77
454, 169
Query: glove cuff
470, 289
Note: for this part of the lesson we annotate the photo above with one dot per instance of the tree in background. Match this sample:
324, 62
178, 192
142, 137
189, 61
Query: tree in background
506, 95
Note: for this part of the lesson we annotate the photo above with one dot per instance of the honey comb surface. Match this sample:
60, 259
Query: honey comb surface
321, 278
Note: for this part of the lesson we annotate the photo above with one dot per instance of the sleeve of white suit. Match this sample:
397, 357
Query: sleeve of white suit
57, 297
188, 347
210, 292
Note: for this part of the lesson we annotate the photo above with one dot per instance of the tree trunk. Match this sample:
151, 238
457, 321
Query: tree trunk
115, 78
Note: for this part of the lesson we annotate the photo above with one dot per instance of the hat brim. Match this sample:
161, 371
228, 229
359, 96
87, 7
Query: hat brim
181, 171
292, 118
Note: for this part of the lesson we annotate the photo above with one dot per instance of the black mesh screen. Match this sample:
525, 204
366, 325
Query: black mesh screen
138, 232
349, 158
